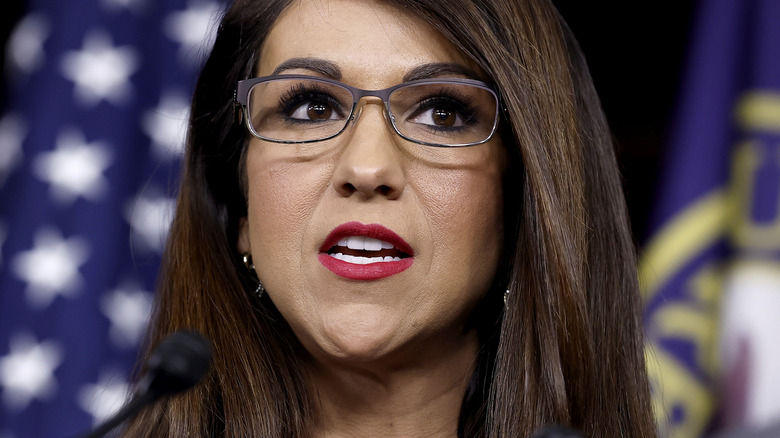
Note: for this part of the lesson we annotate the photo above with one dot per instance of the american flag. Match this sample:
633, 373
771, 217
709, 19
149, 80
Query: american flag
91, 137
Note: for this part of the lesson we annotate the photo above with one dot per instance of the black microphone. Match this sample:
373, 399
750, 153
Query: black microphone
177, 364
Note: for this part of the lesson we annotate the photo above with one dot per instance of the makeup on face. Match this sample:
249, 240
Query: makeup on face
365, 252
369, 244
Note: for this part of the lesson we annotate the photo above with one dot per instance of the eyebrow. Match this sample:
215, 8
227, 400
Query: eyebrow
321, 66
433, 70
331, 70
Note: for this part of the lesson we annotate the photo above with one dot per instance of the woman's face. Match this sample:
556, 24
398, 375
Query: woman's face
438, 210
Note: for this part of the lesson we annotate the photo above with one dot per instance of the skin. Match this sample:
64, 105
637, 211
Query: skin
388, 357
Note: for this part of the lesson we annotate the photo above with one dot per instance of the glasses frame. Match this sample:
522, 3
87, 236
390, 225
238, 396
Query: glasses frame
245, 86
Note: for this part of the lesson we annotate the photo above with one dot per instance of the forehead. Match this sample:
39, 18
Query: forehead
373, 44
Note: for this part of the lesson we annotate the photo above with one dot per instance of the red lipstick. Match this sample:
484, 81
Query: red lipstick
403, 255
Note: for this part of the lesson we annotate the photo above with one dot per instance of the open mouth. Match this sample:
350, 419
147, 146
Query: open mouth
359, 251
363, 250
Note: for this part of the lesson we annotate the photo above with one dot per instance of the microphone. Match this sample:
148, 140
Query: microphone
176, 365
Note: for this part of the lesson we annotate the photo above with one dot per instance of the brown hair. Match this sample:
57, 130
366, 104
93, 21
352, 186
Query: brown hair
567, 349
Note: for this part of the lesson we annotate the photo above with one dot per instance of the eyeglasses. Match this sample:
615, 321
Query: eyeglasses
306, 109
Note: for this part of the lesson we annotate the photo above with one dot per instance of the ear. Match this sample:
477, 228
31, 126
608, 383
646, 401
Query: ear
243, 236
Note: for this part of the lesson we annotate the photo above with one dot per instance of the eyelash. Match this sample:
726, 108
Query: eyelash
462, 104
299, 94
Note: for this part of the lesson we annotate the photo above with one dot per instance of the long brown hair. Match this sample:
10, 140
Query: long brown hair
567, 348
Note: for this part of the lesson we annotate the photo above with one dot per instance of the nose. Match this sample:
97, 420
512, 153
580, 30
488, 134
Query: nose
370, 164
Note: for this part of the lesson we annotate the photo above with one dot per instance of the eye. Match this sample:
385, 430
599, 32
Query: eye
441, 112
445, 117
314, 111
304, 103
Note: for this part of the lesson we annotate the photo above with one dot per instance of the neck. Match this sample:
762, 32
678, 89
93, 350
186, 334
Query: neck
421, 397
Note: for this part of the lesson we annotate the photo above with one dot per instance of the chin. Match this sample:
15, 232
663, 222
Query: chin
358, 340
357, 350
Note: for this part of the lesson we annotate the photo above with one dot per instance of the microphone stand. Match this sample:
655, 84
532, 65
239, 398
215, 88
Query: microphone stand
138, 402
176, 365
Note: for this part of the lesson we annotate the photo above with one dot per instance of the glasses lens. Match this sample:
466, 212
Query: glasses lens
298, 110
444, 113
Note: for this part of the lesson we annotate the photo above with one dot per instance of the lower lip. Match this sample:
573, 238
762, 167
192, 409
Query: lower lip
371, 271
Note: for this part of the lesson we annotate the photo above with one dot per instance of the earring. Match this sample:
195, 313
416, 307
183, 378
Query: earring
247, 259
506, 298
260, 289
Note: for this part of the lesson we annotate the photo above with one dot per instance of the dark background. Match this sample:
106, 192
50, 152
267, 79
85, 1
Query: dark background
10, 12
635, 52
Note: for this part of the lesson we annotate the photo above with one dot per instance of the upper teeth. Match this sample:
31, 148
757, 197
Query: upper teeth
364, 243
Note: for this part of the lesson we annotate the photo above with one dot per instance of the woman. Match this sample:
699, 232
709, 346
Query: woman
449, 256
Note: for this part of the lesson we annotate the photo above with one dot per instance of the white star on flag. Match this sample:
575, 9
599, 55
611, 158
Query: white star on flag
128, 310
150, 217
194, 28
51, 268
75, 168
103, 399
25, 46
166, 125
27, 371
100, 71
12, 132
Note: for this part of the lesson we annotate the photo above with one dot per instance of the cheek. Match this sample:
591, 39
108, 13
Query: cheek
466, 199
468, 216
276, 198
464, 207
282, 198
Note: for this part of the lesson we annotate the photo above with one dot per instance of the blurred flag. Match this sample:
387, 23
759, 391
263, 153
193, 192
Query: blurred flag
90, 142
711, 269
